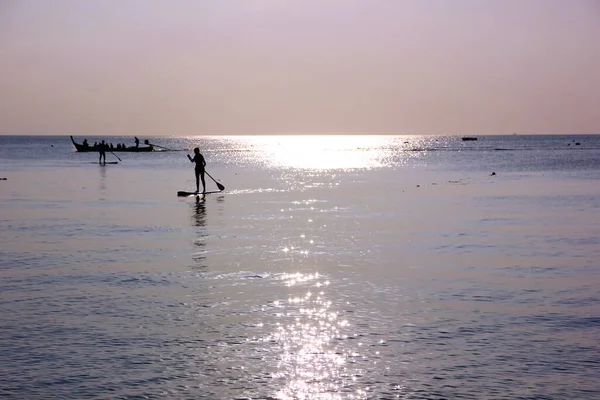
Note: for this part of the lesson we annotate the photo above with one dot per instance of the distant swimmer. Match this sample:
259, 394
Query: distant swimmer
199, 170
102, 150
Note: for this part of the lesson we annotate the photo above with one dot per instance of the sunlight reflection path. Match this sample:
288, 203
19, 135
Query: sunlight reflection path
321, 152
313, 364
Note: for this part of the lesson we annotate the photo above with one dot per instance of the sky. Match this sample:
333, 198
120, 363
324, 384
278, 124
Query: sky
195, 67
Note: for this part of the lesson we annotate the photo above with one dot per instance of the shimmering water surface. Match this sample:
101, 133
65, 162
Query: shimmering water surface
336, 267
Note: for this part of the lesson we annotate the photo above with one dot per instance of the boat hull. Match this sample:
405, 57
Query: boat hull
86, 149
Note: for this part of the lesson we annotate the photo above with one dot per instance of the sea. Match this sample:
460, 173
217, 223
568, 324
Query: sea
330, 267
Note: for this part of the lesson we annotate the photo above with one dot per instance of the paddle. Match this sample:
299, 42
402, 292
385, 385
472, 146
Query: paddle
221, 187
115, 155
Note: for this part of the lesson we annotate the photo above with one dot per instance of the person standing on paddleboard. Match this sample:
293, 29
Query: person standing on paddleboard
102, 150
200, 164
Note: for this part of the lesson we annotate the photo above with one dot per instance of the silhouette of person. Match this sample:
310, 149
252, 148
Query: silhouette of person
85, 143
102, 150
137, 141
199, 170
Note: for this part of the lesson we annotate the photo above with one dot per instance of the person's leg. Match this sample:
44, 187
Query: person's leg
197, 180
203, 182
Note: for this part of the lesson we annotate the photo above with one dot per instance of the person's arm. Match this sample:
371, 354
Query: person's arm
203, 162
191, 159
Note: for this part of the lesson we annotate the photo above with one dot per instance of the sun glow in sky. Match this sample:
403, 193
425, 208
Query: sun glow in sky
148, 67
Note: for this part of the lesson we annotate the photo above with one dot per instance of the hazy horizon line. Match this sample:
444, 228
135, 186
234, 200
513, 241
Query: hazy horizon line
82, 135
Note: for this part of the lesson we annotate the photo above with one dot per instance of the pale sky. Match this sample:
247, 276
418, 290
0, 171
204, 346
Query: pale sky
192, 67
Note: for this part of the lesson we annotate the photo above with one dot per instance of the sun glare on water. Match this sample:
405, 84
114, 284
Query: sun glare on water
320, 152
314, 364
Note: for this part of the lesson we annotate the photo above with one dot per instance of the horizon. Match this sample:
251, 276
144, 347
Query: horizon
78, 137
335, 67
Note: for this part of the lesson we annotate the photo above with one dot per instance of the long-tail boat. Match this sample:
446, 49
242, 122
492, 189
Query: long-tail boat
85, 147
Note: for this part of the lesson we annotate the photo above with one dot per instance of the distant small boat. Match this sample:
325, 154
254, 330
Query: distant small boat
132, 149
467, 138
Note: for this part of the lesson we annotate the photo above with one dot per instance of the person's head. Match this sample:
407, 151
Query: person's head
196, 150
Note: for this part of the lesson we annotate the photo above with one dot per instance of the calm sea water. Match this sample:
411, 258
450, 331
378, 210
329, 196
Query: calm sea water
336, 267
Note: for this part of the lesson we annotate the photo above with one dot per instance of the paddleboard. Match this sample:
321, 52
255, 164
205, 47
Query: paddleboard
183, 193
108, 162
